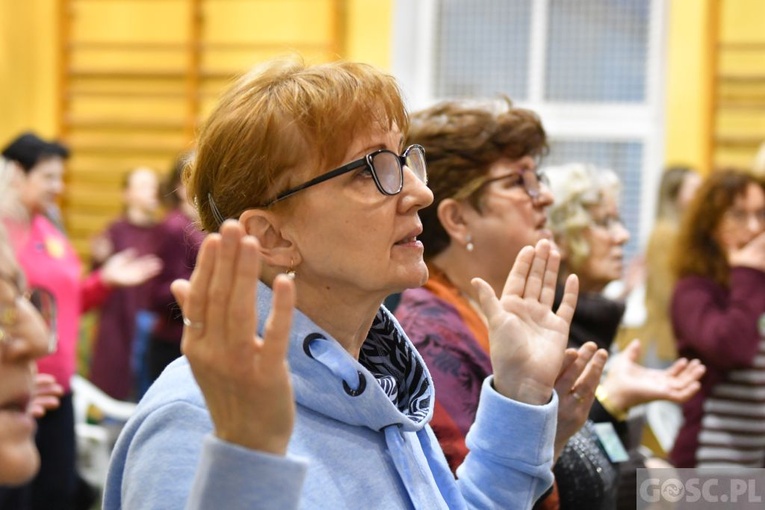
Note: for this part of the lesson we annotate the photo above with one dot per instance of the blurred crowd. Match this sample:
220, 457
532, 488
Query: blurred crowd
498, 344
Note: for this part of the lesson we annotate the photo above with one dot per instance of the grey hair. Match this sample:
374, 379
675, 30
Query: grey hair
576, 187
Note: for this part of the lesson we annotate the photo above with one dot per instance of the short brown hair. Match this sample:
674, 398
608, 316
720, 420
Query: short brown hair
462, 140
696, 251
278, 116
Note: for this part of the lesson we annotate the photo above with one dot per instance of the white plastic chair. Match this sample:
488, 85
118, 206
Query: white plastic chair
95, 441
665, 419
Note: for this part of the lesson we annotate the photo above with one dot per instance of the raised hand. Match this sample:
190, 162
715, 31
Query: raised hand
244, 378
628, 383
579, 377
125, 268
752, 254
46, 395
527, 338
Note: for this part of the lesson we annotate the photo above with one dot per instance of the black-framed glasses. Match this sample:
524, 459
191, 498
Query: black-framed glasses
386, 167
531, 179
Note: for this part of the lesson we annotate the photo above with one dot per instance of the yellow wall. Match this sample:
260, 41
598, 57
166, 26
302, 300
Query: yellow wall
28, 56
28, 60
28, 67
688, 94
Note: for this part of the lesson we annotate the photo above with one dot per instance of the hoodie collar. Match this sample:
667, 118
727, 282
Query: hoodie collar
388, 385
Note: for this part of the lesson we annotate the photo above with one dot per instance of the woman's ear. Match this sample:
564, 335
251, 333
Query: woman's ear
452, 215
276, 249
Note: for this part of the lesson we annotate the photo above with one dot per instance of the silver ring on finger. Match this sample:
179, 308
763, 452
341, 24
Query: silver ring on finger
193, 324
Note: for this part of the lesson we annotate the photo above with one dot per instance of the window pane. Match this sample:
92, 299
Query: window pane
597, 50
624, 158
482, 48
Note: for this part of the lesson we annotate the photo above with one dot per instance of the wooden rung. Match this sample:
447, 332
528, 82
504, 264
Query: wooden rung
741, 78
77, 92
741, 46
741, 105
127, 46
264, 46
127, 74
739, 140
169, 149
79, 121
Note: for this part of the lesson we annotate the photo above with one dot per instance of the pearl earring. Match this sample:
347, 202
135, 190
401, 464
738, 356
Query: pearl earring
291, 271
469, 246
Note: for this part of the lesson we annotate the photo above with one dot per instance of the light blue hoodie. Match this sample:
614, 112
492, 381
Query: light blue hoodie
361, 439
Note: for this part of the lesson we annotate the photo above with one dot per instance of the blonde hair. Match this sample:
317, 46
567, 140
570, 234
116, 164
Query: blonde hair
577, 187
277, 117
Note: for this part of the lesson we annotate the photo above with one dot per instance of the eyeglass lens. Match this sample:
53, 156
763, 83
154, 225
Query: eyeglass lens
387, 166
532, 182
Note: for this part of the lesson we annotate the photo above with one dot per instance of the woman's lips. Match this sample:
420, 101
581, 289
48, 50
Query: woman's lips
16, 413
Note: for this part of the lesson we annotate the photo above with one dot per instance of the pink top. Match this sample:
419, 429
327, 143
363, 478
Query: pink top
50, 262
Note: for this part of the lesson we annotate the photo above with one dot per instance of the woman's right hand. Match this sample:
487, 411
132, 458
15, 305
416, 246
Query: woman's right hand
245, 379
127, 268
628, 383
752, 254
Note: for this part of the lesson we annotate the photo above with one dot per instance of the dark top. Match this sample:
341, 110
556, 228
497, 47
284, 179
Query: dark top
110, 367
724, 327
597, 319
178, 242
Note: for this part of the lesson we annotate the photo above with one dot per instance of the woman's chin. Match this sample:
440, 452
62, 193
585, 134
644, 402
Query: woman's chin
18, 463
411, 280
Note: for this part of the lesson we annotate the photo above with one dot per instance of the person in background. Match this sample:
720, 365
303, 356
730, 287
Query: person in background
677, 187
110, 367
24, 394
52, 268
717, 312
311, 161
489, 202
588, 229
177, 241
23, 338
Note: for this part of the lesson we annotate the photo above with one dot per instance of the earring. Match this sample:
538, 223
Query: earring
291, 271
469, 246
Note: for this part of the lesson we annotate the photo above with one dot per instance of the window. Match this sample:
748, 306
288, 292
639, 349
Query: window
590, 68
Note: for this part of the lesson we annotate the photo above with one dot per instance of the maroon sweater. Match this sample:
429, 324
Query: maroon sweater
723, 327
178, 241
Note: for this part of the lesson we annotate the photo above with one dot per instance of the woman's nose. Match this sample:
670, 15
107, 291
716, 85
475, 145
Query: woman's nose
30, 337
620, 233
416, 190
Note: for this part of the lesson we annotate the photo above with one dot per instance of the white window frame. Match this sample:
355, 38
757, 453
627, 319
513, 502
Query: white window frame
414, 35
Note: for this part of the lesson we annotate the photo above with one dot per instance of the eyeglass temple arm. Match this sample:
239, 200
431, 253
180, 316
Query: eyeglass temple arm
325, 177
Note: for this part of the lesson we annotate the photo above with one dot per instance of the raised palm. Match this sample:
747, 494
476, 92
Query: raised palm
528, 339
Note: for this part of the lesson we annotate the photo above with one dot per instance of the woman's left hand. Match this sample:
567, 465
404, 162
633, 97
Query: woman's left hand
527, 338
46, 395
579, 376
628, 383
